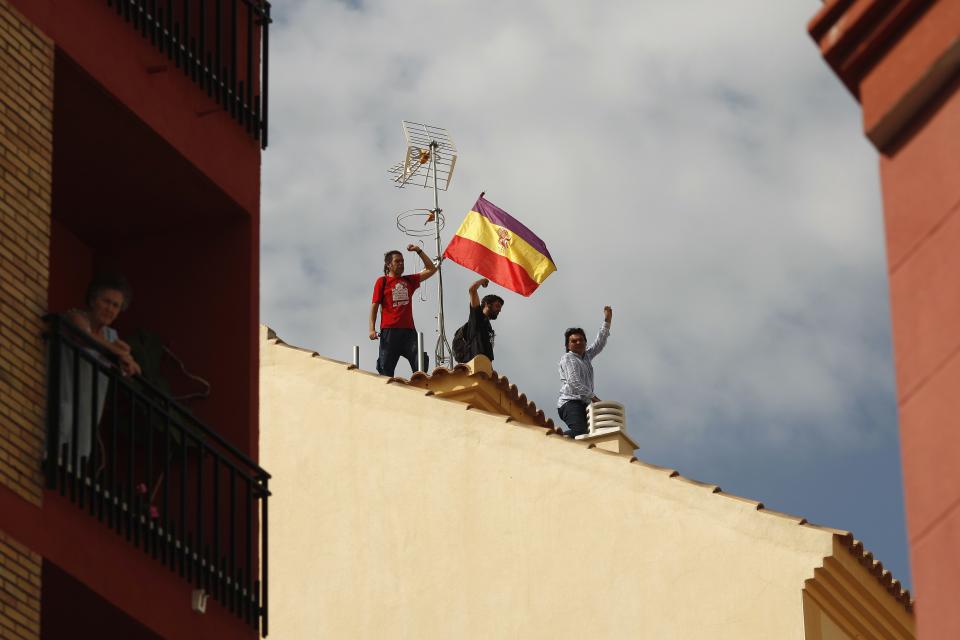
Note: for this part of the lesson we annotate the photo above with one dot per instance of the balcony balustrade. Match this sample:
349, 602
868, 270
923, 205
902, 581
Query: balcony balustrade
145, 467
222, 45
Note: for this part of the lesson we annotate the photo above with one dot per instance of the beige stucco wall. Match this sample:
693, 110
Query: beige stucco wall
396, 515
819, 625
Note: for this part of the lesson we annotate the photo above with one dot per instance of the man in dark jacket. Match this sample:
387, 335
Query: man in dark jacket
476, 337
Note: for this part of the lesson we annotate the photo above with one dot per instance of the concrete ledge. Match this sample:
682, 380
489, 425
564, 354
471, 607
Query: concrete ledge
611, 439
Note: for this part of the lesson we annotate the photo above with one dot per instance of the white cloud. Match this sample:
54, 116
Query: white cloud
693, 164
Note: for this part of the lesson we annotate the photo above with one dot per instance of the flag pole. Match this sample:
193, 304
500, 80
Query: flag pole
443, 347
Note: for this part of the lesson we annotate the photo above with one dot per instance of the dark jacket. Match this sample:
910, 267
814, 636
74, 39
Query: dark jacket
478, 336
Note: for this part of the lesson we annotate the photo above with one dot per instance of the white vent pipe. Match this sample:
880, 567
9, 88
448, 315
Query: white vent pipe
420, 364
606, 416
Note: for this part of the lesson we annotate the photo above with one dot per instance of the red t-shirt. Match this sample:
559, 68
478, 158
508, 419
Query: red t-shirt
396, 306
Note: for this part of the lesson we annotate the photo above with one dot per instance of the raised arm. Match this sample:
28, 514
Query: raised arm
428, 267
474, 298
601, 341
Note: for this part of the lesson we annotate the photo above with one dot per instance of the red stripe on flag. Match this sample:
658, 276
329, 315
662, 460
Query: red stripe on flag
476, 257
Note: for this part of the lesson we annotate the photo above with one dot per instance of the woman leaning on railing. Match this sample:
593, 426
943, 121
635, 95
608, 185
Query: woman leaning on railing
106, 297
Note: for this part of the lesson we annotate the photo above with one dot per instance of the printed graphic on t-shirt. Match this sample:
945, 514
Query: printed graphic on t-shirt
401, 296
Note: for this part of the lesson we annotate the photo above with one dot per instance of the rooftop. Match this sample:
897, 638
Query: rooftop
483, 390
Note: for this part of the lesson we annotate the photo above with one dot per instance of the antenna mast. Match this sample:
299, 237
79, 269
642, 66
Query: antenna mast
429, 161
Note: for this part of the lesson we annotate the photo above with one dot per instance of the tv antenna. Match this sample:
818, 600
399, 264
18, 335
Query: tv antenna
428, 162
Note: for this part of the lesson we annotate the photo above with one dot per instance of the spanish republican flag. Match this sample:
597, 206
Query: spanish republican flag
497, 246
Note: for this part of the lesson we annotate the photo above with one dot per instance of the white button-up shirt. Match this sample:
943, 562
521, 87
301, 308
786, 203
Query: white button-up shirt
576, 372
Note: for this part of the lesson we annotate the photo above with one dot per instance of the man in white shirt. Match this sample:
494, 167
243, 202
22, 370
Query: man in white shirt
576, 375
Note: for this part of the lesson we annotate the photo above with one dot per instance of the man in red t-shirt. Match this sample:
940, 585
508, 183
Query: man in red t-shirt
394, 293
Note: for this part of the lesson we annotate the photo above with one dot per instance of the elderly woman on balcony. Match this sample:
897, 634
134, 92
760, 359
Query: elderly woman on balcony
107, 296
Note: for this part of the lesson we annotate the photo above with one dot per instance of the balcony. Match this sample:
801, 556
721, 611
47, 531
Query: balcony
221, 45
147, 469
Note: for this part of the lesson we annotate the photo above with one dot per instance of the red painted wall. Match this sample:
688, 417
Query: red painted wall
902, 60
121, 60
69, 605
72, 260
153, 180
181, 226
194, 293
120, 573
922, 207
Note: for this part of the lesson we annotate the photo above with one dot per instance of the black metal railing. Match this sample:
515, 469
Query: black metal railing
144, 466
222, 45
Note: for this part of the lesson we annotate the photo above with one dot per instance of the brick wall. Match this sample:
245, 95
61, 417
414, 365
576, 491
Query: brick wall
19, 589
26, 150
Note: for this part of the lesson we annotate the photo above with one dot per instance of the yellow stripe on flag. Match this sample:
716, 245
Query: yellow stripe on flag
504, 242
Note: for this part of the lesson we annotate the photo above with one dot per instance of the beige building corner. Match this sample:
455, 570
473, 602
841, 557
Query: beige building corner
448, 506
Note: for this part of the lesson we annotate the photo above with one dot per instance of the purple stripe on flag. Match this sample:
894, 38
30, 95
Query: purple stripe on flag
499, 217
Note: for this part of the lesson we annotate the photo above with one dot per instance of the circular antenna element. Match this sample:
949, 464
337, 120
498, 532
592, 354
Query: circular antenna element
416, 223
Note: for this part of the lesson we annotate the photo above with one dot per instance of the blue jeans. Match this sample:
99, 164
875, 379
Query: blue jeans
395, 343
574, 415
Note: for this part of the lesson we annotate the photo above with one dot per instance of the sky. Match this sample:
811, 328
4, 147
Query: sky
693, 164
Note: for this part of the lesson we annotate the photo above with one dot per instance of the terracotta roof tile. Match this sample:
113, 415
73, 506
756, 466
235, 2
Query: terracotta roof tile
875, 567
528, 407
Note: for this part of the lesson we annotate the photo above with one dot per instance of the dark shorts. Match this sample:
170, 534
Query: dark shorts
395, 343
574, 415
